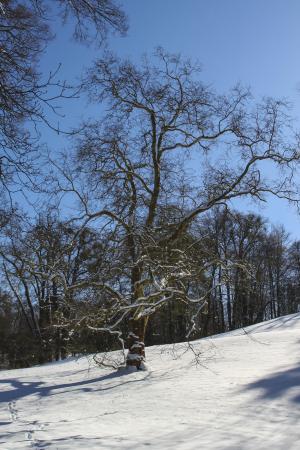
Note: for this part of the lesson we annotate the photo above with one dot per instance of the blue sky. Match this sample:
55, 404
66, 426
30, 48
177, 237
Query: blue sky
255, 42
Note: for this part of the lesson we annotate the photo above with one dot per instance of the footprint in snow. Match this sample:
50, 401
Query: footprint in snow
29, 435
13, 411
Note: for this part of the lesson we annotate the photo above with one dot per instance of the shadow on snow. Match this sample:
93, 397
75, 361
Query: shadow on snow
279, 384
23, 389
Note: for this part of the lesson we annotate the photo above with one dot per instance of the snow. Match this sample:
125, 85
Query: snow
244, 395
135, 357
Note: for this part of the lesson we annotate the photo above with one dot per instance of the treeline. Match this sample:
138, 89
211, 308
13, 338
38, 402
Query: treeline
256, 277
250, 272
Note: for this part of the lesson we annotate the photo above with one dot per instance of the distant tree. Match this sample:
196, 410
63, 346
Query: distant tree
289, 271
276, 255
40, 260
7, 317
256, 274
31, 256
236, 240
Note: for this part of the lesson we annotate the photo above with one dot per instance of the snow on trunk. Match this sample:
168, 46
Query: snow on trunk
135, 343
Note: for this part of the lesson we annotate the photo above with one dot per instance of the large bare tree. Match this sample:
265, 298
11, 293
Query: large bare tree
168, 150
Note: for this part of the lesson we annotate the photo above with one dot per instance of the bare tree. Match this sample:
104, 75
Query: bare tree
27, 97
134, 176
31, 256
94, 18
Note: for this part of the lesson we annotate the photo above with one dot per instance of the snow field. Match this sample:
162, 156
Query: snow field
244, 394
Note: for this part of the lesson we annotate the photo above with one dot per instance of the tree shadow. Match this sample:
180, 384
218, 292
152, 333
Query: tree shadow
77, 441
279, 322
23, 389
279, 384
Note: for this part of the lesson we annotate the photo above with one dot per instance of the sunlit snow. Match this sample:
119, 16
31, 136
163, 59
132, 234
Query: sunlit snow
244, 394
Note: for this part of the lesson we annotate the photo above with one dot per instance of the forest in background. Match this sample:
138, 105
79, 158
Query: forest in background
254, 275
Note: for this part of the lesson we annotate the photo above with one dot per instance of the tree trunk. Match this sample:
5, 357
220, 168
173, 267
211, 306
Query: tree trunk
135, 343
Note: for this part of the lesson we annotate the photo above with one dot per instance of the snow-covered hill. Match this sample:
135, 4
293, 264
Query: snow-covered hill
244, 394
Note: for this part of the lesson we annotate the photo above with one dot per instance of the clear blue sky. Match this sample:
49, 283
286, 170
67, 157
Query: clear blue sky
256, 42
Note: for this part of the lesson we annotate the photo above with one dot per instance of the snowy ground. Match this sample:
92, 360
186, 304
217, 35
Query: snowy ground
245, 395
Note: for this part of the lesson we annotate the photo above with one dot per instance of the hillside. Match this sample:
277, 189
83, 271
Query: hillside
244, 394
